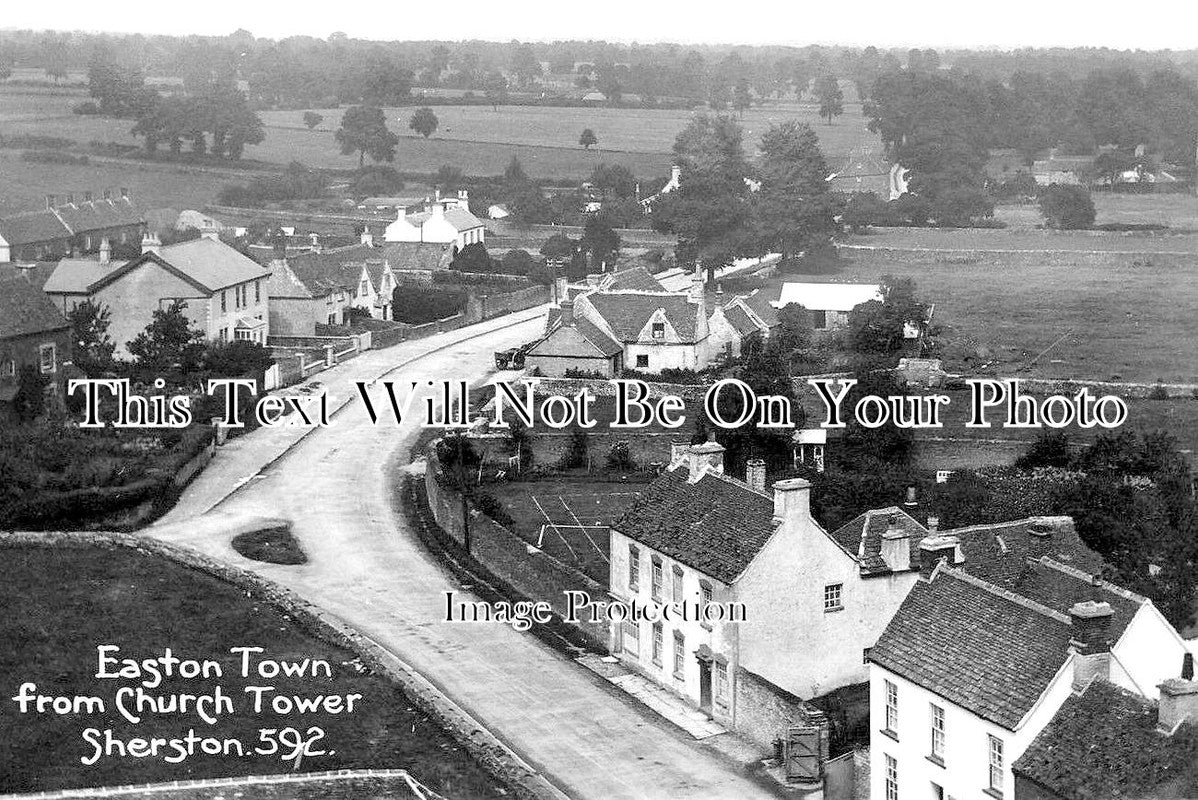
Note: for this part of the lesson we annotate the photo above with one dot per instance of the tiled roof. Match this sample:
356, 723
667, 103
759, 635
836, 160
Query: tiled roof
862, 536
761, 303
460, 219
78, 275
331, 270
580, 340
29, 227
739, 319
284, 283
633, 279
992, 650
628, 312
417, 255
210, 263
1104, 743
37, 273
94, 215
25, 309
715, 525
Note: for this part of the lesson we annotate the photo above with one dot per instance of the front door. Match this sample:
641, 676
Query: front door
705, 686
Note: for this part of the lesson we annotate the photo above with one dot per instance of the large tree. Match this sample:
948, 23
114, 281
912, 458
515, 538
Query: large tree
793, 208
424, 121
91, 346
364, 131
830, 97
168, 343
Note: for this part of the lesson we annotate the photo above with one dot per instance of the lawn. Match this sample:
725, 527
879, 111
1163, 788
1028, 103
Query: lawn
62, 603
1121, 316
568, 519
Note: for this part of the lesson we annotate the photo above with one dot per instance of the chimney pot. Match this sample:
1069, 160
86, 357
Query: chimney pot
755, 474
933, 550
792, 500
1178, 703
105, 251
933, 524
124, 193
910, 502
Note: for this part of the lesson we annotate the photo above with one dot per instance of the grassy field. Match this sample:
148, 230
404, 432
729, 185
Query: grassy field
63, 603
568, 519
1118, 315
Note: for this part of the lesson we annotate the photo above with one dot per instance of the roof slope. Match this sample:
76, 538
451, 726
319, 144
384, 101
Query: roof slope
25, 310
992, 650
716, 525
459, 218
94, 215
77, 275
211, 263
628, 312
740, 320
1104, 743
418, 255
635, 278
580, 340
331, 270
761, 303
29, 227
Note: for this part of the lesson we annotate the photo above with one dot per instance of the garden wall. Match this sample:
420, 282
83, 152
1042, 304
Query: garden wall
533, 575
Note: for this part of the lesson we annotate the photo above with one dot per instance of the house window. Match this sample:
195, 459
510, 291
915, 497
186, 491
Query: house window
634, 567
658, 578
937, 732
48, 358
223, 335
891, 778
704, 601
642, 361
891, 708
10, 368
632, 638
257, 292
832, 597
679, 653
677, 584
996, 764
243, 333
658, 643
659, 330
224, 301
721, 681
363, 289
819, 320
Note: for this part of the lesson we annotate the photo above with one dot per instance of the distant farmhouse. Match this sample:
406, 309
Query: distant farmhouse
224, 292
64, 229
865, 171
441, 221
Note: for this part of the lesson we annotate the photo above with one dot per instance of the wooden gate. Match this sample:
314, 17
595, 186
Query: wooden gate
803, 754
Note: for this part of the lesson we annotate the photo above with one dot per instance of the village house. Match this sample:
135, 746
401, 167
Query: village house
320, 289
737, 326
815, 601
223, 291
443, 221
71, 228
983, 654
1106, 741
34, 334
1063, 170
417, 260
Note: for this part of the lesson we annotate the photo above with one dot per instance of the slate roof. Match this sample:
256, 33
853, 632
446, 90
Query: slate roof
633, 279
29, 227
212, 264
459, 218
862, 536
25, 309
331, 270
991, 650
37, 273
1104, 743
761, 303
716, 525
580, 340
417, 255
94, 215
628, 312
740, 320
77, 275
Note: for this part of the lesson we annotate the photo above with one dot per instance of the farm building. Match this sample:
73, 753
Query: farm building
829, 303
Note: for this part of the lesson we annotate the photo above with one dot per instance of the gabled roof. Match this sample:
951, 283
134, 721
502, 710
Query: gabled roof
716, 525
740, 320
78, 275
828, 296
210, 263
459, 218
37, 273
25, 310
580, 340
1104, 743
30, 227
94, 215
992, 650
331, 270
628, 312
761, 303
632, 279
862, 536
418, 255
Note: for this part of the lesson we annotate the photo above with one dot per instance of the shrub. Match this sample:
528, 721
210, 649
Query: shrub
576, 450
489, 504
376, 180
620, 457
1067, 207
416, 304
1159, 392
53, 157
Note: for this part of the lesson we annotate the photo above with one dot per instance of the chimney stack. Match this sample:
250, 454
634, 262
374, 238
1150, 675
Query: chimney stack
1090, 642
933, 550
709, 455
755, 474
87, 197
567, 313
910, 502
367, 237
896, 546
314, 238
933, 525
464, 196
679, 451
108, 194
792, 500
696, 290
124, 193
105, 251
150, 243
1178, 704
1039, 535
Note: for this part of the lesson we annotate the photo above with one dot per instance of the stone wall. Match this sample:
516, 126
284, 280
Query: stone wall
764, 712
479, 742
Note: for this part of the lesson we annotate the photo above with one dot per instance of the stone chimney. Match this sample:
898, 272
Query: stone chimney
679, 451
910, 502
464, 196
150, 243
792, 500
1039, 536
709, 455
1090, 642
567, 313
896, 546
105, 251
675, 174
437, 196
933, 550
438, 209
367, 237
1178, 704
755, 474
696, 289
933, 524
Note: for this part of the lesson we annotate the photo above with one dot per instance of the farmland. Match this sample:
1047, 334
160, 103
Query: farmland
1108, 307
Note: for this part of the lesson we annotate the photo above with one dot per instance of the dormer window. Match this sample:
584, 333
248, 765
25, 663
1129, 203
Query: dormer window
659, 330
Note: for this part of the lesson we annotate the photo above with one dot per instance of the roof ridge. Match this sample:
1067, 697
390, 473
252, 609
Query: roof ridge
737, 482
1094, 580
992, 525
1006, 594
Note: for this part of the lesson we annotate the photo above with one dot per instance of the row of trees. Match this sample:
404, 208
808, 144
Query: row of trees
215, 120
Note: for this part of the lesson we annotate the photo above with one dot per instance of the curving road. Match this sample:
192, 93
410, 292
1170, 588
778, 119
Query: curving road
334, 484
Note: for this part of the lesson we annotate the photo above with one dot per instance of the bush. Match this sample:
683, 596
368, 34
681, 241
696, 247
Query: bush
53, 157
1067, 207
29, 141
297, 182
576, 450
619, 458
517, 262
1158, 392
376, 180
489, 504
271, 546
416, 304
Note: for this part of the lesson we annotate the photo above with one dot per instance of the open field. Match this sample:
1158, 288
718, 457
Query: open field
1178, 211
1099, 308
568, 520
62, 603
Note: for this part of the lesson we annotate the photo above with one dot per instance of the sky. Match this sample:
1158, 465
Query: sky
1154, 24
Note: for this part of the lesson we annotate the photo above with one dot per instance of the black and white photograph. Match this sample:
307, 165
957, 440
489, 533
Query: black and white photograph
632, 401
